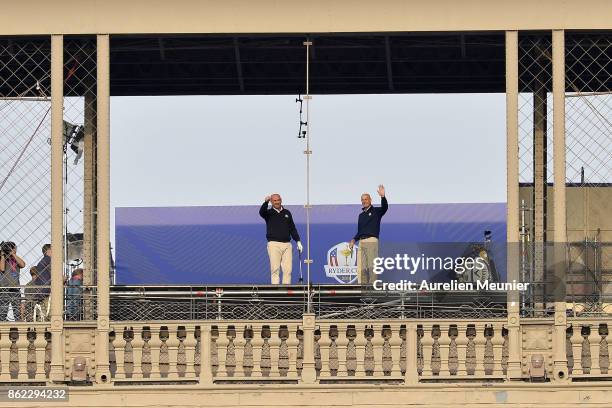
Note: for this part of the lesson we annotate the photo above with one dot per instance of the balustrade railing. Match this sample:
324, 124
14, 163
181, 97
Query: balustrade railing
25, 352
588, 345
462, 349
279, 351
264, 351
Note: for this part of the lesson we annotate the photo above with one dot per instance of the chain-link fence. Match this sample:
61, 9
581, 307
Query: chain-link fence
535, 158
25, 173
79, 166
588, 132
588, 113
25, 165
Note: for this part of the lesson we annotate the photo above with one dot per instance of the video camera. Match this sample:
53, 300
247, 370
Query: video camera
6, 248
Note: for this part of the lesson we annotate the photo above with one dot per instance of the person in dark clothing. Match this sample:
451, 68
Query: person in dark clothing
44, 270
74, 295
10, 271
34, 303
368, 231
280, 228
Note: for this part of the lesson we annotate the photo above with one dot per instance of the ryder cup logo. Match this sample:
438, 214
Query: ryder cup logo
342, 263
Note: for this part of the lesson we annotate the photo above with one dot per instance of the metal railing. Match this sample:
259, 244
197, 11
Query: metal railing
145, 303
31, 303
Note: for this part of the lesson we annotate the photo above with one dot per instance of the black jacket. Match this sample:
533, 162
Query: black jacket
368, 224
279, 225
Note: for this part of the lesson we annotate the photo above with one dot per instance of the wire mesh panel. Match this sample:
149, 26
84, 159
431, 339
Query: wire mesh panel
588, 133
535, 104
79, 131
535, 158
588, 130
25, 162
25, 167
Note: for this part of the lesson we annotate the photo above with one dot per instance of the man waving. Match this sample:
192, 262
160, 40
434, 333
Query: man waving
368, 230
280, 228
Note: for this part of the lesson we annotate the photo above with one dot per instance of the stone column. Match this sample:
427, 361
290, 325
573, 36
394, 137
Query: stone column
512, 185
309, 374
57, 208
103, 205
560, 372
89, 197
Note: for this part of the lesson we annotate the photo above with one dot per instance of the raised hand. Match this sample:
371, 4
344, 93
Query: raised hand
381, 190
267, 198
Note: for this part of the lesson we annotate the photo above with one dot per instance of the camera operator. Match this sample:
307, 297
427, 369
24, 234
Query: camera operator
10, 269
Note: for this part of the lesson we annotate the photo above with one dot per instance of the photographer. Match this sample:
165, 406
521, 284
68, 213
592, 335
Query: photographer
10, 269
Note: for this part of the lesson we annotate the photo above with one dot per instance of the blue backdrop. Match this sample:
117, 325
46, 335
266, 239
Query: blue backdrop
226, 245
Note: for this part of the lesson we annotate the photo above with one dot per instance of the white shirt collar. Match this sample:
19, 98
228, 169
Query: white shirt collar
278, 211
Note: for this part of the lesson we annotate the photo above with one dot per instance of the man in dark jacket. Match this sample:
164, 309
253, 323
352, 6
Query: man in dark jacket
44, 270
368, 231
280, 228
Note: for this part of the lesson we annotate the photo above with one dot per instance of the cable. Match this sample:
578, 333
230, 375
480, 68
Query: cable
24, 150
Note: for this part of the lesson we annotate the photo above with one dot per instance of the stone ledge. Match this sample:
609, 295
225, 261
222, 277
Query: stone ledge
423, 395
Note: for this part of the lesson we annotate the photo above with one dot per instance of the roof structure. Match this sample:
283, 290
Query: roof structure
357, 63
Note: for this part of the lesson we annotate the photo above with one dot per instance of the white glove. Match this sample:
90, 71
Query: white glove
299, 246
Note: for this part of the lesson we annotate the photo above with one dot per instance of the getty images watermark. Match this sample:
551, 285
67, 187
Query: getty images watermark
472, 274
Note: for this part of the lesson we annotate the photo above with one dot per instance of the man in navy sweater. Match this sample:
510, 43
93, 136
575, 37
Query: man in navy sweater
368, 230
280, 228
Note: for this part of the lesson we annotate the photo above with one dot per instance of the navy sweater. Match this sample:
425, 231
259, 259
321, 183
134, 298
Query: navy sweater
368, 224
279, 225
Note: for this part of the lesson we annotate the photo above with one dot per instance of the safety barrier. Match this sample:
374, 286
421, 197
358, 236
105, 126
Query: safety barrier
588, 345
263, 351
25, 352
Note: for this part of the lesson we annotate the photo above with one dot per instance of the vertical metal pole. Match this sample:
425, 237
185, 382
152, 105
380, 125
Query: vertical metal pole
560, 232
512, 180
103, 201
308, 152
57, 208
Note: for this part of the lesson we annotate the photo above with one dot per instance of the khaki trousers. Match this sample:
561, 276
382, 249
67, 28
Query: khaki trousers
368, 250
281, 256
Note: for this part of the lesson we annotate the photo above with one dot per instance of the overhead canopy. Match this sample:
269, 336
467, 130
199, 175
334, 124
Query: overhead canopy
345, 63
465, 62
